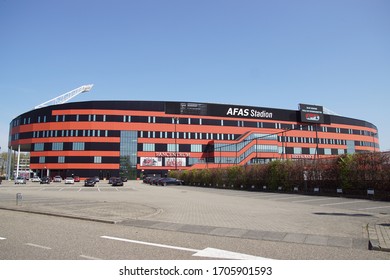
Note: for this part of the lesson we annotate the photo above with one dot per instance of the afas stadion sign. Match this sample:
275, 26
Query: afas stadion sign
246, 112
305, 114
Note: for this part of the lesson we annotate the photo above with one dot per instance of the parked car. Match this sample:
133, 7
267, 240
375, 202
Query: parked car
96, 178
117, 182
57, 178
169, 181
45, 180
111, 180
20, 180
76, 178
35, 179
89, 182
154, 180
124, 179
146, 180
69, 180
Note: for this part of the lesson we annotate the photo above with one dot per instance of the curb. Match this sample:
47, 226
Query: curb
374, 240
61, 215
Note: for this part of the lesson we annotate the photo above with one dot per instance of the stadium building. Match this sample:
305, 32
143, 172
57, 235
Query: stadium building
128, 138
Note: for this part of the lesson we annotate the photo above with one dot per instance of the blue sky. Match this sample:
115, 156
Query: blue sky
262, 53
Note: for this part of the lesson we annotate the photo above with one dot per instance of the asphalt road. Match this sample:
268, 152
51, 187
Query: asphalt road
41, 237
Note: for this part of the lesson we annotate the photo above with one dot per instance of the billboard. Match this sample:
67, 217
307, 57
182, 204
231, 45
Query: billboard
171, 162
311, 113
151, 161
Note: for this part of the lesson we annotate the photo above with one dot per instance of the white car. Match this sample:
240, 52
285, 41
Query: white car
57, 178
20, 180
35, 179
69, 180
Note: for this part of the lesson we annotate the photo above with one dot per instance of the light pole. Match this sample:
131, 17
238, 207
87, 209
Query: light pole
175, 120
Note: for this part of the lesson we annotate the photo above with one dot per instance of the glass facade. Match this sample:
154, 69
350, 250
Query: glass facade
128, 154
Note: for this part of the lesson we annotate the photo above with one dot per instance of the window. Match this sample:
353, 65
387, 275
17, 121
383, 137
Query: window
61, 159
41, 159
97, 159
39, 146
148, 147
78, 146
297, 151
173, 147
58, 146
195, 148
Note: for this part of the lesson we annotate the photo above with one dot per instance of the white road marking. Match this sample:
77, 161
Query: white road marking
98, 189
266, 196
3, 238
317, 199
222, 254
150, 244
339, 203
208, 252
38, 246
60, 189
285, 197
370, 208
89, 257
79, 190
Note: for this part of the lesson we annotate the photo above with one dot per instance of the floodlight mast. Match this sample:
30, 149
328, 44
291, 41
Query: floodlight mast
66, 96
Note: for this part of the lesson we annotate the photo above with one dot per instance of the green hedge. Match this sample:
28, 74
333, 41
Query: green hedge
353, 173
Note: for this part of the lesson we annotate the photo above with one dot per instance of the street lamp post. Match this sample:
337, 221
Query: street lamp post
175, 120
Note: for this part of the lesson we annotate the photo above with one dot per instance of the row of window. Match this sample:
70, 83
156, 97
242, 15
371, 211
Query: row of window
259, 149
72, 159
152, 147
70, 133
194, 121
76, 146
195, 135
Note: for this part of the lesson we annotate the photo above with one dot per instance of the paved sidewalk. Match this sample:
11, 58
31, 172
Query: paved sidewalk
379, 235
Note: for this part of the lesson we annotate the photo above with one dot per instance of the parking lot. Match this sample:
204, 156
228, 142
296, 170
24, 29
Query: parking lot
264, 216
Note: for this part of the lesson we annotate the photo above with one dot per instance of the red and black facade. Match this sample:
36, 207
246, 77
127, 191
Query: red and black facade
112, 138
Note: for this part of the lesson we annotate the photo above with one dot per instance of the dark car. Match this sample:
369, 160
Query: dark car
45, 180
154, 180
111, 180
146, 180
124, 179
169, 181
89, 182
117, 182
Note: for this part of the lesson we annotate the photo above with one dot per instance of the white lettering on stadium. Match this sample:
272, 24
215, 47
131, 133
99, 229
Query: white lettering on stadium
240, 112
168, 154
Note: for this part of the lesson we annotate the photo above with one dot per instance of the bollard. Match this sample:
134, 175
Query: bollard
19, 199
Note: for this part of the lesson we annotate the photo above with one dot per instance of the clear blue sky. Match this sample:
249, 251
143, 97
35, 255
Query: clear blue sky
334, 53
